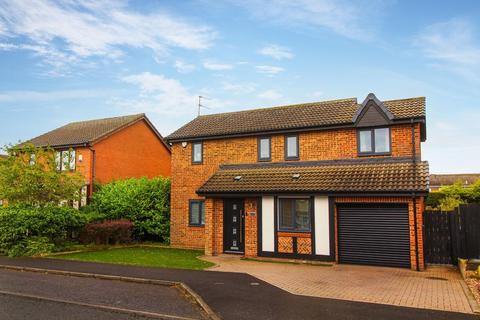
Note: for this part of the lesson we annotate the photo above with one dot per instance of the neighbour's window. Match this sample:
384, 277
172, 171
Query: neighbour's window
291, 147
197, 152
65, 160
197, 213
374, 141
264, 149
294, 214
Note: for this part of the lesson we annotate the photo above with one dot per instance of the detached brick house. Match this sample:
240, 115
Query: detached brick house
332, 181
109, 149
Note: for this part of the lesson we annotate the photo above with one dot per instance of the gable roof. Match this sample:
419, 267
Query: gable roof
88, 132
359, 175
291, 117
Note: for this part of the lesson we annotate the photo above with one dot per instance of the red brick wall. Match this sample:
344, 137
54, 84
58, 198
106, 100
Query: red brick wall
315, 145
251, 216
419, 217
132, 152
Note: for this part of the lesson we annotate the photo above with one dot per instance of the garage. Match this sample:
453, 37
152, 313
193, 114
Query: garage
373, 234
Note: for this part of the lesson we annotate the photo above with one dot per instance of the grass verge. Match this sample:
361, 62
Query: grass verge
147, 256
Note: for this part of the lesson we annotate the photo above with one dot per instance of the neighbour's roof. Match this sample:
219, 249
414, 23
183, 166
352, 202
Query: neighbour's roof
86, 132
364, 175
307, 115
449, 179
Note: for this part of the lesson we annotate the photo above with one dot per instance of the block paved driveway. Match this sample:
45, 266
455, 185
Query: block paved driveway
232, 295
438, 288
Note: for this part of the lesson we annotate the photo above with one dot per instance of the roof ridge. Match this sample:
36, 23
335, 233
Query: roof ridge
139, 115
403, 99
281, 106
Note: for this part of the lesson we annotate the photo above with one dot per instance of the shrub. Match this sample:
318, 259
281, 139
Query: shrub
144, 202
33, 231
450, 197
108, 232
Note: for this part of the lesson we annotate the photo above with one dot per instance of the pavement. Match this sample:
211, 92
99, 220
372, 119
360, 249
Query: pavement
437, 288
242, 296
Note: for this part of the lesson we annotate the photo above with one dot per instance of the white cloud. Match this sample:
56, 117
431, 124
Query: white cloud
46, 96
158, 94
451, 45
164, 96
270, 95
75, 30
183, 67
238, 88
277, 52
317, 94
352, 19
269, 70
217, 66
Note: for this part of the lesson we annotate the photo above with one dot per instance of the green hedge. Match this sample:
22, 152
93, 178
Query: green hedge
37, 230
145, 202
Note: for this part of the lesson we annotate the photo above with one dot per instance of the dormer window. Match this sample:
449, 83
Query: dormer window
374, 141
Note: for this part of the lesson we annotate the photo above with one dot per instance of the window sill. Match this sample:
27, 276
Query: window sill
292, 159
264, 160
293, 231
373, 154
196, 226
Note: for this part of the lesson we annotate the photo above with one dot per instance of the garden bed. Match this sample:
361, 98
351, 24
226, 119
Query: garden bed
473, 282
147, 256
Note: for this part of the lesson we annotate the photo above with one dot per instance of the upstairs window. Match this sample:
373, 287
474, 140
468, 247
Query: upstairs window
197, 213
65, 160
291, 147
374, 141
264, 149
197, 152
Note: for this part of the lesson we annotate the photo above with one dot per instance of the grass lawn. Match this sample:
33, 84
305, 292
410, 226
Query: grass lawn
143, 256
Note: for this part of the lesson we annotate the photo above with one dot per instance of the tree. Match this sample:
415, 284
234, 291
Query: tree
29, 178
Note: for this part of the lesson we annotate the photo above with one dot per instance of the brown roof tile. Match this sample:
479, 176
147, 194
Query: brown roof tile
335, 176
83, 132
316, 114
466, 179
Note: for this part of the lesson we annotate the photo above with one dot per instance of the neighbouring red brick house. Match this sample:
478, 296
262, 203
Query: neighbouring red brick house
332, 181
109, 149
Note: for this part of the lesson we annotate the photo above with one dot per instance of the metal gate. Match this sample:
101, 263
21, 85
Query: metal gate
374, 234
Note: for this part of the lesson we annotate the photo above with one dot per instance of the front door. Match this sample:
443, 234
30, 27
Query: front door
233, 226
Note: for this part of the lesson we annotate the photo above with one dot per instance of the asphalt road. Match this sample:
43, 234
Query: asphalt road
26, 293
240, 296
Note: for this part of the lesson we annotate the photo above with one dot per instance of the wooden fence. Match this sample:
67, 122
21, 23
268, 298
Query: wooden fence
449, 235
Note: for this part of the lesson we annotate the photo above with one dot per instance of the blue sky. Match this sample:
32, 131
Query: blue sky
69, 61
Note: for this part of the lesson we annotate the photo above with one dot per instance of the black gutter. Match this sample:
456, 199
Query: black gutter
405, 194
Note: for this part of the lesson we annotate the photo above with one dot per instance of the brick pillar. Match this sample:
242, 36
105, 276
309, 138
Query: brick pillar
420, 209
416, 243
209, 230
251, 214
